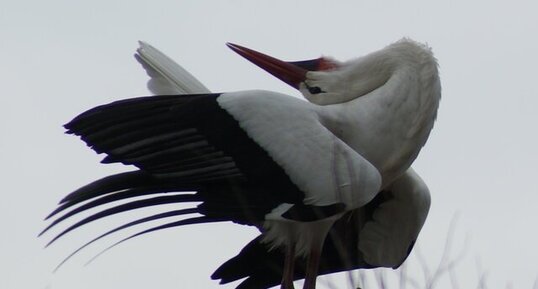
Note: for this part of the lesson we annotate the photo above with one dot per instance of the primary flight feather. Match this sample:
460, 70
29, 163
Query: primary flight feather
328, 181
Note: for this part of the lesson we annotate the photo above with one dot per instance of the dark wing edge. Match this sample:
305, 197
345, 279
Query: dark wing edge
188, 150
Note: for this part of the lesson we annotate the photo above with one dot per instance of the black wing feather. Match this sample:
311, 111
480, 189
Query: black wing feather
263, 268
185, 134
168, 214
180, 143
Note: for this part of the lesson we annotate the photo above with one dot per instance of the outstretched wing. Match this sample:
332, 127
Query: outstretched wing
180, 144
243, 154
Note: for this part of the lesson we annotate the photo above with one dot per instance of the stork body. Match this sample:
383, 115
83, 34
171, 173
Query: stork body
295, 169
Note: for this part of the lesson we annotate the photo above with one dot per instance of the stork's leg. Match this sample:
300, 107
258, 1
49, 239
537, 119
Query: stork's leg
289, 263
312, 266
318, 232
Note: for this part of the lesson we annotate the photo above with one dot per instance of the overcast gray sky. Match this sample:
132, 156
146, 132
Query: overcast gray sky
59, 58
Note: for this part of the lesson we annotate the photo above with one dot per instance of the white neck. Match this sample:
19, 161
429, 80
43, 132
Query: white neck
389, 123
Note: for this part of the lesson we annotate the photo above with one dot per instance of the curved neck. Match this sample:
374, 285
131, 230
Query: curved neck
390, 124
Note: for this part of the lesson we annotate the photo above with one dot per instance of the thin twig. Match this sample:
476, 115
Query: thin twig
362, 278
482, 281
446, 253
481, 273
380, 278
453, 278
327, 280
351, 279
445, 264
423, 264
412, 282
402, 275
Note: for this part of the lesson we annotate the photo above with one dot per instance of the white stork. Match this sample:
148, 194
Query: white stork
337, 165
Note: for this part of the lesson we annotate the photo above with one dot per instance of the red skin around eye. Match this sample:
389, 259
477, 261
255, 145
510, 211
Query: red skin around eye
326, 64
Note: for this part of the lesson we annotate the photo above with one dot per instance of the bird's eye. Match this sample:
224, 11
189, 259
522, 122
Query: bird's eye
314, 89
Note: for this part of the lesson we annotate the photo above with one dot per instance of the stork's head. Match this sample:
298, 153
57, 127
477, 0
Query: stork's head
322, 80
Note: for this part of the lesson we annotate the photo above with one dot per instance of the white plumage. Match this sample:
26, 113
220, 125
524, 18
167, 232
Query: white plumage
355, 138
166, 76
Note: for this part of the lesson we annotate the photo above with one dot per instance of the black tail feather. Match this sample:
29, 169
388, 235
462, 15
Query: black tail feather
161, 200
130, 224
107, 185
189, 221
122, 195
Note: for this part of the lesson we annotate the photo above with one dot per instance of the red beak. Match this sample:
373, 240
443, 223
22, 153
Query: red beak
291, 73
